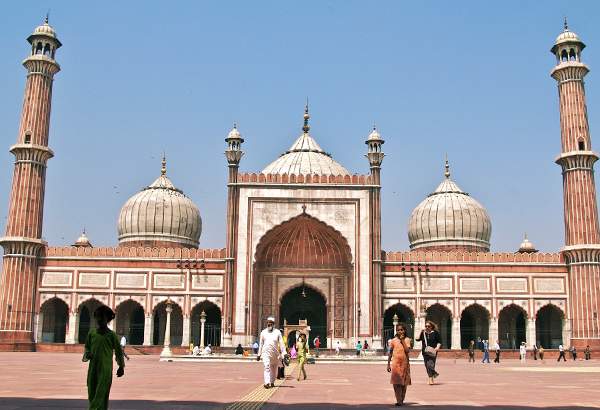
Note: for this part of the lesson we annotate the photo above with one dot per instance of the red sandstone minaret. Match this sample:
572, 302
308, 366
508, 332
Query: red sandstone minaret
23, 241
582, 234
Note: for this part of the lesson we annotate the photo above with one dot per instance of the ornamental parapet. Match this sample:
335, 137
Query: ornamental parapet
569, 71
22, 246
31, 153
471, 257
577, 160
587, 253
260, 178
134, 252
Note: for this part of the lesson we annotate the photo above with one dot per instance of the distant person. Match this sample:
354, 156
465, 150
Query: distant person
535, 351
399, 364
497, 351
486, 352
358, 348
255, 347
523, 352
365, 346
100, 345
541, 353
571, 351
338, 347
317, 344
574, 353
587, 352
191, 348
561, 353
123, 343
471, 350
239, 350
431, 342
302, 348
196, 351
207, 350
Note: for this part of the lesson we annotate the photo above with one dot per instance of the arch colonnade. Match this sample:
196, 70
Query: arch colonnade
57, 323
548, 327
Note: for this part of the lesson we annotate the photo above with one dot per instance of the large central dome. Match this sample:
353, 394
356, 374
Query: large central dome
450, 219
305, 157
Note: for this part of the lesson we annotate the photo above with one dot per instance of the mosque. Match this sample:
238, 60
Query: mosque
303, 243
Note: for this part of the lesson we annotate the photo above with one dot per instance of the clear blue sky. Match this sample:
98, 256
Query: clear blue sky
469, 78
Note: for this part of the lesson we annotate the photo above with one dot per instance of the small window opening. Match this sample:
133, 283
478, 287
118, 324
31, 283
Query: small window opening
27, 138
572, 55
39, 48
581, 144
47, 50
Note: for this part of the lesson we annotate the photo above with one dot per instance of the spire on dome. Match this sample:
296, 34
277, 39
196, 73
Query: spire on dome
163, 168
566, 24
447, 166
306, 127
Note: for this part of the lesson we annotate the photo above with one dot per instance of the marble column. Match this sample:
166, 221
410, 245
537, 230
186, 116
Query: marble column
566, 333
202, 323
148, 328
39, 319
493, 332
71, 337
455, 342
185, 338
167, 345
531, 336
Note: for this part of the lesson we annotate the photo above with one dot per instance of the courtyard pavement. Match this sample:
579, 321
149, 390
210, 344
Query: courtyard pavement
57, 381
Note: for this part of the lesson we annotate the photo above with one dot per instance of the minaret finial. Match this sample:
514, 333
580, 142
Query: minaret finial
566, 24
163, 169
306, 127
235, 125
47, 17
447, 166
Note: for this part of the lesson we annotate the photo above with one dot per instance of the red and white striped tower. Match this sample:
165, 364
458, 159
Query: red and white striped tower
375, 156
23, 241
582, 233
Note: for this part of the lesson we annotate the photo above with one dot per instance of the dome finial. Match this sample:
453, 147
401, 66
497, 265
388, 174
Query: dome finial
306, 127
447, 166
163, 168
566, 24
47, 17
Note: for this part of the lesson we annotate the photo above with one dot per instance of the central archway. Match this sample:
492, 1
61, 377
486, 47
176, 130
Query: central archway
512, 322
304, 253
305, 303
474, 325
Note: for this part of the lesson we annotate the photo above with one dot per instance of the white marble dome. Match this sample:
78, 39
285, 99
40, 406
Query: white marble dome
305, 157
450, 219
160, 215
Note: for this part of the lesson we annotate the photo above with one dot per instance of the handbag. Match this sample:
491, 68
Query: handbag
430, 351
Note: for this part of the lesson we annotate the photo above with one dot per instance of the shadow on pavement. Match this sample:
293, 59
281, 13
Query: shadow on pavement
20, 403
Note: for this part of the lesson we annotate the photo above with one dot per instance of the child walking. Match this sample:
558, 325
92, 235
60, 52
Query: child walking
99, 347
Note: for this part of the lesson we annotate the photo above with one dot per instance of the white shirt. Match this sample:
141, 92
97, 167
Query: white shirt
123, 341
523, 349
271, 344
561, 348
496, 346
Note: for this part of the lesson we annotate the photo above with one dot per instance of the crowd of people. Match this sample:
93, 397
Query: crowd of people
272, 348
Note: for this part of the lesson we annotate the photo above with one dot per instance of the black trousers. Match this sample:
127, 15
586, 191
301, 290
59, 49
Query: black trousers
497, 358
561, 355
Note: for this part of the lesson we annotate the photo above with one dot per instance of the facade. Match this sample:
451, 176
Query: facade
303, 243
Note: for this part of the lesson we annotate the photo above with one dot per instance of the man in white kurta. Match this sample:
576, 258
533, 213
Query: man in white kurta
271, 349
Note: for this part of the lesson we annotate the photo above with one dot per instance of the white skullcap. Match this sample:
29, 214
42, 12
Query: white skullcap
271, 319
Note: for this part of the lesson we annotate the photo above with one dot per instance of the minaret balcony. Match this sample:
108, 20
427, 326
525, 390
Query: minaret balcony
31, 153
569, 71
577, 160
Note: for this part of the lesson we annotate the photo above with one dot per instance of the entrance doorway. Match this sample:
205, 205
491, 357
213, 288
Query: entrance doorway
404, 314
442, 317
305, 303
474, 325
512, 327
549, 327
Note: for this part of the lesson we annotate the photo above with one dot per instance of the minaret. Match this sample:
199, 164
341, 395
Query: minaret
375, 157
23, 241
582, 234
233, 154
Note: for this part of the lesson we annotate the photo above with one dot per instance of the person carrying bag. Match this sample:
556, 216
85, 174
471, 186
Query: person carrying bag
430, 344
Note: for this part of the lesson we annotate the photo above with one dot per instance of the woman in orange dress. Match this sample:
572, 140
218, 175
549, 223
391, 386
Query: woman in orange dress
400, 366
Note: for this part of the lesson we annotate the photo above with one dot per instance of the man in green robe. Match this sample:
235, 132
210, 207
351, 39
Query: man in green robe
99, 347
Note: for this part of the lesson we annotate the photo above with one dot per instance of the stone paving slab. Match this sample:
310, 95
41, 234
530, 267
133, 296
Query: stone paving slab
57, 381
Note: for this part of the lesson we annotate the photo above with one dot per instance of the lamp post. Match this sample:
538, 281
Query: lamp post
202, 322
395, 321
167, 344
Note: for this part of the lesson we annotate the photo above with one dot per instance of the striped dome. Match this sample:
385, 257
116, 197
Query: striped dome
160, 215
450, 219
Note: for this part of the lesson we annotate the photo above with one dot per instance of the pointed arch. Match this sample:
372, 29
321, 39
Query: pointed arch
130, 321
160, 323
85, 317
212, 326
54, 318
405, 315
442, 316
303, 242
549, 324
512, 326
474, 324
